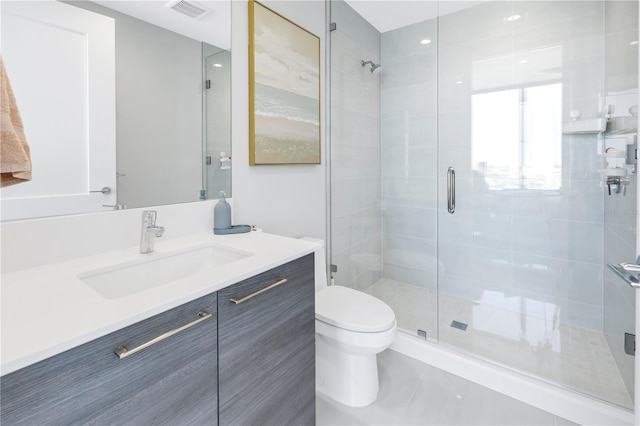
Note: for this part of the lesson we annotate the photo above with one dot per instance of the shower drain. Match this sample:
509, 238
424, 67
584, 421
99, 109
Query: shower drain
459, 325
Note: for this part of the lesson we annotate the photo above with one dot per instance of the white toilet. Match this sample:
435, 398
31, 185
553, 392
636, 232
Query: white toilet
351, 329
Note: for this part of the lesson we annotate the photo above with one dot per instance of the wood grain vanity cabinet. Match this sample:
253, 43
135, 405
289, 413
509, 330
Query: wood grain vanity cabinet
172, 382
246, 361
266, 344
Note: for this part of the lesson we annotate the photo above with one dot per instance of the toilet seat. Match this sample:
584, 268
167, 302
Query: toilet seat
353, 310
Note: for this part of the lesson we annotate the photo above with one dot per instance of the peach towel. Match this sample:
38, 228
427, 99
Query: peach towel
15, 158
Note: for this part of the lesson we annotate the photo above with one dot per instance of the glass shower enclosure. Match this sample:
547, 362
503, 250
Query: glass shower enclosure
470, 180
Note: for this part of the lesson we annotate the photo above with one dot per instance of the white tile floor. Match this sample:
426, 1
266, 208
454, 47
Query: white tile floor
413, 393
498, 331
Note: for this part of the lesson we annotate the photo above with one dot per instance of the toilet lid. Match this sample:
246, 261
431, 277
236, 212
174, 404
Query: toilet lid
353, 310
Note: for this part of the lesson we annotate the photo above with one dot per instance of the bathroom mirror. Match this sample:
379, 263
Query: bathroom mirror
124, 103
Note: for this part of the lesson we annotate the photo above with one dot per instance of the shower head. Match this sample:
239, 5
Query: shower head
375, 68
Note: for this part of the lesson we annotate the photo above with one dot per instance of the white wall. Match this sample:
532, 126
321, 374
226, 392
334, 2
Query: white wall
285, 200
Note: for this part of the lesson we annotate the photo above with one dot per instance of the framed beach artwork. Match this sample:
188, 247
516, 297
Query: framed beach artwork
284, 90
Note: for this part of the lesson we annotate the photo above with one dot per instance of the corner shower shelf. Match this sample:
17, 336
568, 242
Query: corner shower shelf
631, 278
622, 125
585, 126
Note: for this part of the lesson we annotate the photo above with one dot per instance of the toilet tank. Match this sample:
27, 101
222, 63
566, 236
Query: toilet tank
320, 259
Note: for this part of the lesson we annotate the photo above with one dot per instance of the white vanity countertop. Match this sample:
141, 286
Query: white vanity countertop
48, 310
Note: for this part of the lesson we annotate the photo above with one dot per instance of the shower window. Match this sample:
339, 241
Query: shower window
517, 138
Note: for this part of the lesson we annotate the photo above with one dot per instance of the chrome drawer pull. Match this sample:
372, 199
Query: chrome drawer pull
123, 352
254, 294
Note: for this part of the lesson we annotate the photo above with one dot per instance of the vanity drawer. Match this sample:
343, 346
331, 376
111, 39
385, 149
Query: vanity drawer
172, 381
266, 347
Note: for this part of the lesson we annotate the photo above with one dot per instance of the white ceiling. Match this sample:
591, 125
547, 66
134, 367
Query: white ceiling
213, 28
387, 15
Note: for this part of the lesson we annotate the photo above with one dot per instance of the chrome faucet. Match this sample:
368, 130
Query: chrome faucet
149, 231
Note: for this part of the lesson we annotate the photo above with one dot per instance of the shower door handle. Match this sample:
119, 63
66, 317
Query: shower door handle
451, 190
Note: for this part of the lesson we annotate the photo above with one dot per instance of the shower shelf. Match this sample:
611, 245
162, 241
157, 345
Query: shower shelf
631, 278
622, 125
585, 126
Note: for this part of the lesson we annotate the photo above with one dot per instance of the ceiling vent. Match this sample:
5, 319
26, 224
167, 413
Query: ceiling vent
189, 8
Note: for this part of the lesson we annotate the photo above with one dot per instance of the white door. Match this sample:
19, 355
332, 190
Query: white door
60, 60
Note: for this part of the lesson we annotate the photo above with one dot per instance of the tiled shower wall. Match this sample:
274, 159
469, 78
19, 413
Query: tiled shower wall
356, 244
621, 84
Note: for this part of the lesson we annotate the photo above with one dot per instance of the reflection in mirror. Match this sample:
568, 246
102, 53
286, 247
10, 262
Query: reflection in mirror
516, 123
118, 111
217, 65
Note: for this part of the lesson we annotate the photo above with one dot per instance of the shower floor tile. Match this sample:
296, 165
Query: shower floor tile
571, 356
413, 393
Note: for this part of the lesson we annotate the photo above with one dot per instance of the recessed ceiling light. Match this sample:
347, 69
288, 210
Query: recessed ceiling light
633, 43
459, 82
513, 18
217, 65
522, 61
425, 41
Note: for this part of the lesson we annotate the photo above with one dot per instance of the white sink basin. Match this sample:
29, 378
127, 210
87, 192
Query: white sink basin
154, 270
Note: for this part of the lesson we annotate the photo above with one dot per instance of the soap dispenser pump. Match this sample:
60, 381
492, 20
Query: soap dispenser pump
221, 215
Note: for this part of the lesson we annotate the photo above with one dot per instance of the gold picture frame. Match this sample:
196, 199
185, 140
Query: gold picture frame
284, 90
